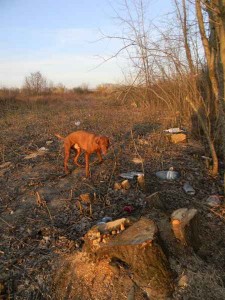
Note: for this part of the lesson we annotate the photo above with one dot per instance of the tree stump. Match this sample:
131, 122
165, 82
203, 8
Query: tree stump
138, 246
178, 138
185, 227
141, 182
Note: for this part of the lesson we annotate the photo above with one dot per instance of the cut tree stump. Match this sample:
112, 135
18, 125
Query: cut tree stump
141, 182
138, 246
185, 227
178, 138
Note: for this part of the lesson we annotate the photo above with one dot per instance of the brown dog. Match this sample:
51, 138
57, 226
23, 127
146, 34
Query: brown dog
83, 140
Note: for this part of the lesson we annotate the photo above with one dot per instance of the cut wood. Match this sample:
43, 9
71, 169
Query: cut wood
125, 184
185, 227
141, 182
138, 246
178, 138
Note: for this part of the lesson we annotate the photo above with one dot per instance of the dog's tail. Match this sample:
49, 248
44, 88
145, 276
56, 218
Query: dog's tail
59, 136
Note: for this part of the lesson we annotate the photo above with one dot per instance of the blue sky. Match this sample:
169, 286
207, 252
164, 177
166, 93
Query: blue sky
59, 38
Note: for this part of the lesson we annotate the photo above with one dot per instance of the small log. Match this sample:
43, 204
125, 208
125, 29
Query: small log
138, 246
141, 182
185, 227
125, 184
178, 138
117, 186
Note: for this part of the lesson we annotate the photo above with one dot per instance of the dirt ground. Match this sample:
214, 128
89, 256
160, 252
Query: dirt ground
40, 245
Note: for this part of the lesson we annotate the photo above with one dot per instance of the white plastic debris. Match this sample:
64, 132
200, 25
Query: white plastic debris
213, 200
42, 149
174, 130
77, 123
167, 175
131, 175
188, 189
106, 219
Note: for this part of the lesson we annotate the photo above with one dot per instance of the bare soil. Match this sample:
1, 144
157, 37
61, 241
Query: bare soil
40, 246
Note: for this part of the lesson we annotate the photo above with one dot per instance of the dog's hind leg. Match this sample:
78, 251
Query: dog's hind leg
78, 149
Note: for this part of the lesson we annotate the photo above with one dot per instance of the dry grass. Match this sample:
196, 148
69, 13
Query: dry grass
26, 125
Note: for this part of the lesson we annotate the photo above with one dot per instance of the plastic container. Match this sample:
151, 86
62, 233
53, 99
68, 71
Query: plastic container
167, 175
130, 175
188, 189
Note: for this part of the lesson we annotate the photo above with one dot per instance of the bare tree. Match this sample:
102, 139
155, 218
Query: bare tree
169, 63
35, 84
212, 30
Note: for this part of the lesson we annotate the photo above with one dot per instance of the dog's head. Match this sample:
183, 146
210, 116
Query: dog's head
103, 143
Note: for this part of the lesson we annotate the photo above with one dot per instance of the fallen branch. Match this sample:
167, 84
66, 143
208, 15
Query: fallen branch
42, 203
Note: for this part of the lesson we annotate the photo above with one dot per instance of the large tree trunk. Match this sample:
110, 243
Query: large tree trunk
212, 47
219, 23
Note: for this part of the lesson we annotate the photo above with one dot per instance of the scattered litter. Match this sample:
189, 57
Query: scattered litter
168, 175
214, 200
128, 208
40, 151
77, 123
188, 189
174, 130
100, 222
49, 142
106, 219
131, 175
137, 160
